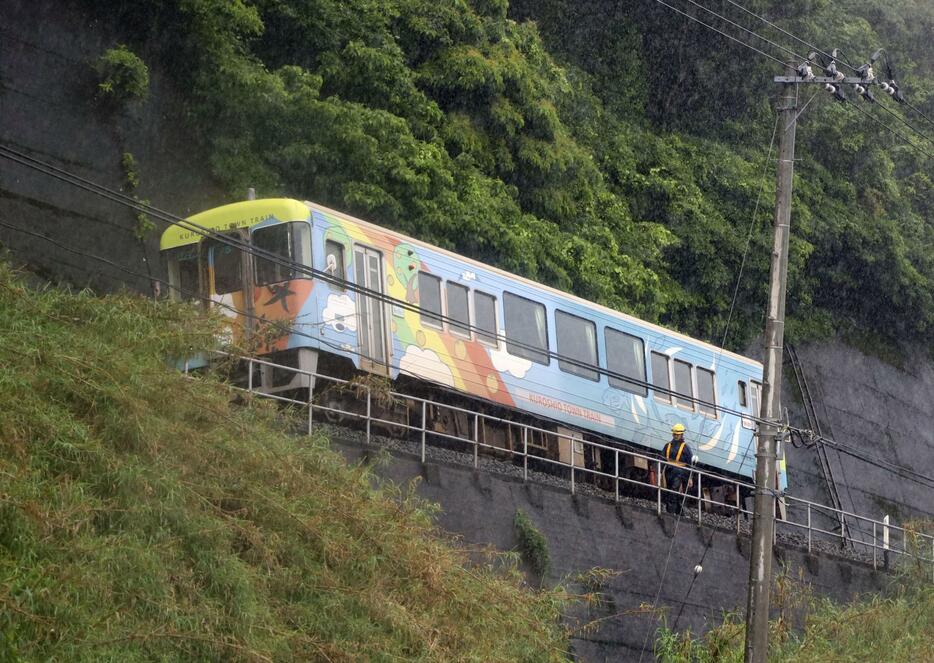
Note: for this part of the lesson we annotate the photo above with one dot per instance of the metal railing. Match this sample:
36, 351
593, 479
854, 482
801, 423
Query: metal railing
885, 536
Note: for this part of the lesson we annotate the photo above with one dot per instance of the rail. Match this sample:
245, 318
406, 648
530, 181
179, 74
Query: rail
885, 536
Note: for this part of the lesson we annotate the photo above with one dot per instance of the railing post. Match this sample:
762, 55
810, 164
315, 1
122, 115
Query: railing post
699, 502
571, 446
932, 559
809, 527
249, 379
739, 509
476, 441
311, 408
873, 545
616, 456
658, 487
424, 427
525, 453
368, 406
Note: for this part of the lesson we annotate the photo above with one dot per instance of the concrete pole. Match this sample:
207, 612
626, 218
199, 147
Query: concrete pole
763, 524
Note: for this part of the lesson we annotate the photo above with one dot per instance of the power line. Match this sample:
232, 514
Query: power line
888, 128
171, 219
127, 201
299, 332
674, 537
919, 112
789, 34
905, 122
730, 37
787, 50
745, 29
898, 470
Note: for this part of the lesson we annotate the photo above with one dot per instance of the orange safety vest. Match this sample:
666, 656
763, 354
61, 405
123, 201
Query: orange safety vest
677, 459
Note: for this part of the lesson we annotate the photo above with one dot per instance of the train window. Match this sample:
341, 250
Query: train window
484, 313
660, 377
625, 355
683, 388
183, 273
743, 396
577, 340
706, 392
429, 299
291, 241
526, 328
227, 268
458, 309
334, 261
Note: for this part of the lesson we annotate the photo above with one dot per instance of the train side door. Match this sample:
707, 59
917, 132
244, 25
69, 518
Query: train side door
227, 277
371, 310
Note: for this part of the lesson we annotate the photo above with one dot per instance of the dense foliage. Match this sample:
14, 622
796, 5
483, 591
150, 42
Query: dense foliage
143, 517
613, 149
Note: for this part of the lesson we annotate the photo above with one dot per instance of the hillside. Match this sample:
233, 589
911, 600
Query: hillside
144, 517
612, 149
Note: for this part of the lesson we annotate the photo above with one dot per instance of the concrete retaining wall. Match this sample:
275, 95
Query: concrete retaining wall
586, 532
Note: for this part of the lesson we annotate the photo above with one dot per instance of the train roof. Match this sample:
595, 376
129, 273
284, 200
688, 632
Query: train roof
238, 215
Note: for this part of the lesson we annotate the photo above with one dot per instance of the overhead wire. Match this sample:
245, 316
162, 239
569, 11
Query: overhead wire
674, 537
888, 128
174, 220
730, 37
919, 112
905, 122
814, 48
747, 30
171, 219
779, 61
299, 332
829, 56
294, 329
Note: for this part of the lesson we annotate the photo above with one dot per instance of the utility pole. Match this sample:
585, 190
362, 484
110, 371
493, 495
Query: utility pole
763, 524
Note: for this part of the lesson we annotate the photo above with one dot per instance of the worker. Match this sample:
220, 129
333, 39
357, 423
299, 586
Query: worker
677, 477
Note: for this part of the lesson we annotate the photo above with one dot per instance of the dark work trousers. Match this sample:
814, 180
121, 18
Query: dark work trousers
677, 479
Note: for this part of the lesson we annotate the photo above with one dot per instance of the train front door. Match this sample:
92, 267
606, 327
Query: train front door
371, 310
227, 278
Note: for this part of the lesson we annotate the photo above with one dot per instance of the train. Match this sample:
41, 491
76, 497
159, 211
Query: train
351, 297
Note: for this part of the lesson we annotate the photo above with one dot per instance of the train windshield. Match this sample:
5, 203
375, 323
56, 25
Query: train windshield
182, 264
291, 241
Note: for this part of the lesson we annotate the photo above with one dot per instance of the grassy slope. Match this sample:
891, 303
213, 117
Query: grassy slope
144, 518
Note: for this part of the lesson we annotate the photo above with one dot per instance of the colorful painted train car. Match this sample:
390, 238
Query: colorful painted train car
477, 330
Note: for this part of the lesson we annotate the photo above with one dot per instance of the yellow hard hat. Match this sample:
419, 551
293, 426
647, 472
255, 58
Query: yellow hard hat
678, 429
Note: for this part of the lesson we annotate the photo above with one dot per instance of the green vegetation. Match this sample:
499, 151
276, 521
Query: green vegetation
143, 517
612, 149
532, 544
122, 75
144, 225
897, 626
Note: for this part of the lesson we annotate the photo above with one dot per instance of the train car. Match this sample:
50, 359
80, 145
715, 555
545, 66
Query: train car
472, 328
